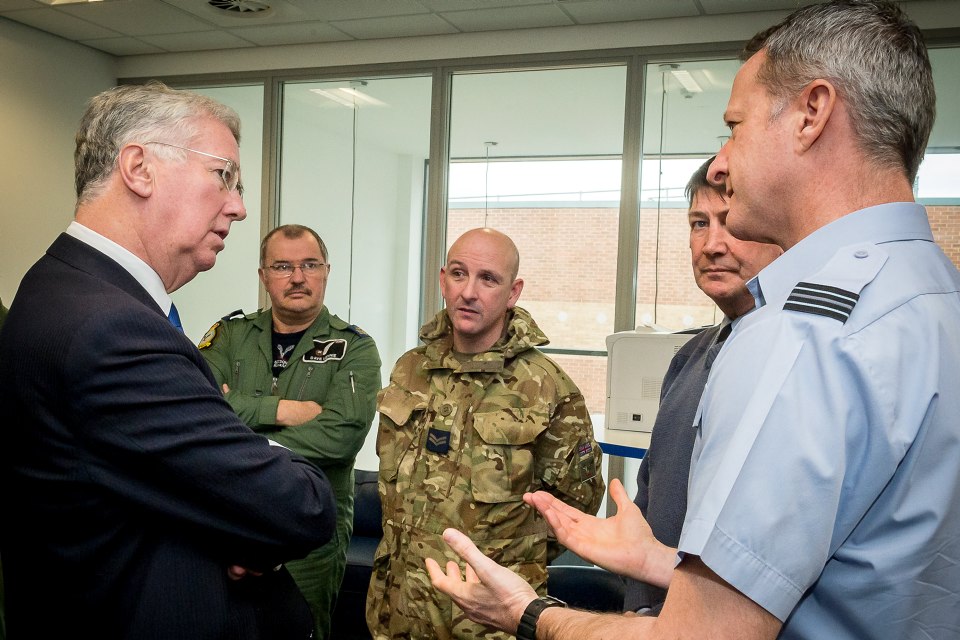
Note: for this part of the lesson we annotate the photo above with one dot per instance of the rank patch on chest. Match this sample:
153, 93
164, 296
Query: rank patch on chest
326, 350
438, 441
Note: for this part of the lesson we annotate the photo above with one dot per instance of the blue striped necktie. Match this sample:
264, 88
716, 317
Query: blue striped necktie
174, 317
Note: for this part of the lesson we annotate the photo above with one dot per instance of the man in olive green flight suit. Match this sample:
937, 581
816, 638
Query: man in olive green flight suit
469, 423
309, 379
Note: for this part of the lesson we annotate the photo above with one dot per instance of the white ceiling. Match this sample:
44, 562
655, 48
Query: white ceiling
133, 27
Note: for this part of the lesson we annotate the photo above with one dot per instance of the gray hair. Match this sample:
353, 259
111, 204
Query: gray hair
699, 182
138, 113
876, 59
291, 232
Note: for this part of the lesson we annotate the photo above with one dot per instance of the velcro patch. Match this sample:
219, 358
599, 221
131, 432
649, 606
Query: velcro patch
209, 336
588, 464
822, 300
438, 441
326, 350
357, 330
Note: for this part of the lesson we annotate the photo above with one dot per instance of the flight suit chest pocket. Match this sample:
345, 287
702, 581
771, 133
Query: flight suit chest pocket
249, 378
502, 456
396, 435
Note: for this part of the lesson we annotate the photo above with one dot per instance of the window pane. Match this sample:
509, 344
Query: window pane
937, 186
536, 154
683, 126
353, 159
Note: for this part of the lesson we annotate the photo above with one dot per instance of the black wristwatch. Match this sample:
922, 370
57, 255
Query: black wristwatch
527, 630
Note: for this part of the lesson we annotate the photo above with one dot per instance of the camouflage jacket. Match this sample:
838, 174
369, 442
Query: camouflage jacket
461, 439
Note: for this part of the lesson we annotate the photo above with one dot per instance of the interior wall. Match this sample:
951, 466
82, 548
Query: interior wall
45, 82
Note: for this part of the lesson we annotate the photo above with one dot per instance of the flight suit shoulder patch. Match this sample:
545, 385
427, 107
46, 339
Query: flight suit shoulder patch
357, 330
233, 315
210, 335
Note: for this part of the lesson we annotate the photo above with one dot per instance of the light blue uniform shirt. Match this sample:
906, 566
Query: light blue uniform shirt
825, 482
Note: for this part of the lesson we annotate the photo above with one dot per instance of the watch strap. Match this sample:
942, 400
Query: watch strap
527, 629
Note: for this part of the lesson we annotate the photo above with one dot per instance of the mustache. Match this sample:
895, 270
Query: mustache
298, 288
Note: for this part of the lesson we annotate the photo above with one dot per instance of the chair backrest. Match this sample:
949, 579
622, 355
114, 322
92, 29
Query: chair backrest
586, 587
367, 513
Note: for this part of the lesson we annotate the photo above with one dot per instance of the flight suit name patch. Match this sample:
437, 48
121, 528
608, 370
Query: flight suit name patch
326, 350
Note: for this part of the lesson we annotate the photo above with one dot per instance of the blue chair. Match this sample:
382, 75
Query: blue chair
586, 587
349, 616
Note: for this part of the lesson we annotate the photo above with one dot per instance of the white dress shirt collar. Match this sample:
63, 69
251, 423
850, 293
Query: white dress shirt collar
140, 270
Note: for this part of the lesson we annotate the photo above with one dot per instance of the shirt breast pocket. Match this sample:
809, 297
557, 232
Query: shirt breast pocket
502, 458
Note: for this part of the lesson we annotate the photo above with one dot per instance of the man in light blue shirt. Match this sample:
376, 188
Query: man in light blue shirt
824, 498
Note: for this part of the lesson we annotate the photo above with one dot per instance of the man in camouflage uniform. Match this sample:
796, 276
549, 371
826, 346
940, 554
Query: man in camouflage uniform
469, 423
310, 380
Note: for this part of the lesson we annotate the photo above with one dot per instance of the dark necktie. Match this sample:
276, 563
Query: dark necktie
714, 349
174, 317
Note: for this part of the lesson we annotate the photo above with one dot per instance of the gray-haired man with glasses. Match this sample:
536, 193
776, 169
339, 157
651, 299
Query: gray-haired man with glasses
134, 498
306, 379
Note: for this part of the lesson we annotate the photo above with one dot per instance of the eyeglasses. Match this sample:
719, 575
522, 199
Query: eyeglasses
286, 269
230, 174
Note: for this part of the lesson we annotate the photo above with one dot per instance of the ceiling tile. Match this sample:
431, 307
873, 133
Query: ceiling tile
355, 9
137, 17
60, 24
425, 25
7, 5
713, 7
441, 6
122, 46
196, 41
302, 33
597, 11
508, 18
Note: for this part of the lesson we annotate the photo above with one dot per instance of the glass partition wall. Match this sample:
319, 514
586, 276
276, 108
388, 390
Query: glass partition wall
582, 161
537, 155
353, 167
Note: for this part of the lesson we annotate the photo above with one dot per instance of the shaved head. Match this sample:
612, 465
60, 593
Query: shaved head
498, 241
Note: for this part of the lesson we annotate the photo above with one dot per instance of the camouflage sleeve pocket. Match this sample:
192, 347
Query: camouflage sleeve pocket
397, 404
503, 461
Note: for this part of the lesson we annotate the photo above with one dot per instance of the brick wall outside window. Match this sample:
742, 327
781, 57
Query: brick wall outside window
568, 263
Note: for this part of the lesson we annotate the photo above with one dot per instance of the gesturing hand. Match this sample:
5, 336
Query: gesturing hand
488, 593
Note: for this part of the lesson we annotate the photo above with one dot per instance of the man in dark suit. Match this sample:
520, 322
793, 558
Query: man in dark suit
136, 504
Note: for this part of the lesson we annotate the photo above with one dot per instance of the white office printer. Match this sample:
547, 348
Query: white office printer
636, 363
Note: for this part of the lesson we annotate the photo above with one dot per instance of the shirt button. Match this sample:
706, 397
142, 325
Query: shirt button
446, 409
860, 253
